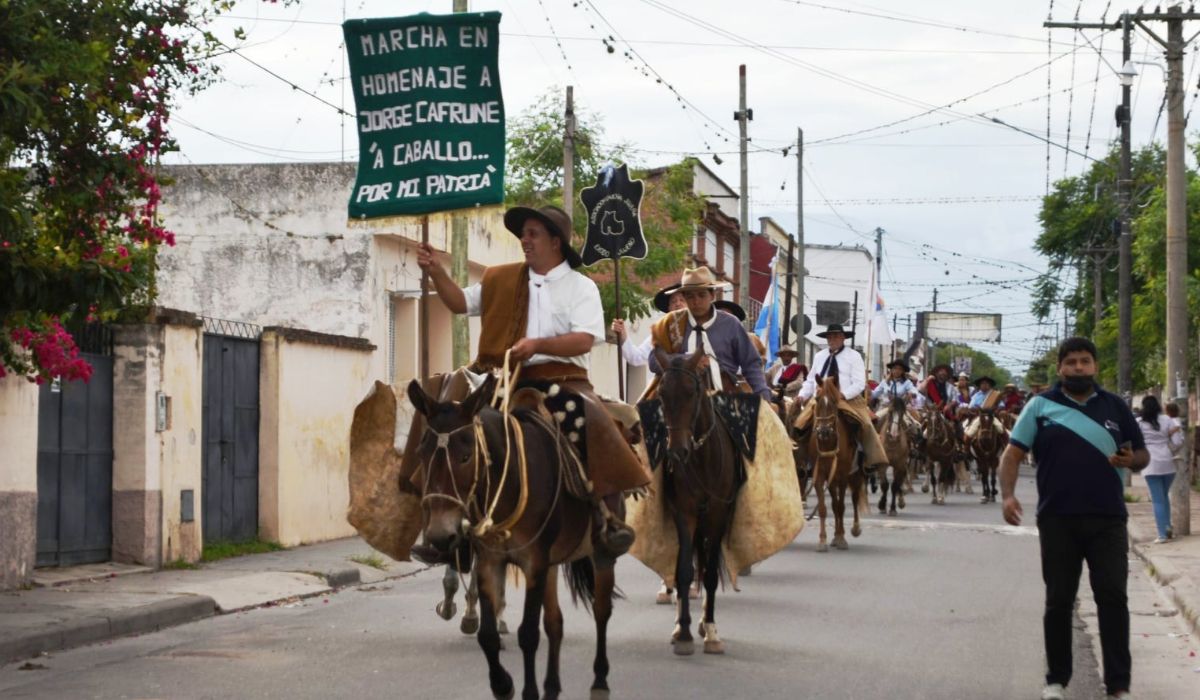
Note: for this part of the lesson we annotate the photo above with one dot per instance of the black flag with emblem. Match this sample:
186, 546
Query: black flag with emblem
614, 226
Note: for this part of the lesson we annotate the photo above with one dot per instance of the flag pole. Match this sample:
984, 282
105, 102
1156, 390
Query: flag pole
620, 343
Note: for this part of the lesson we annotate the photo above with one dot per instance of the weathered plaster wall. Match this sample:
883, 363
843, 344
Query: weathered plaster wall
137, 482
308, 389
150, 467
18, 480
180, 444
268, 244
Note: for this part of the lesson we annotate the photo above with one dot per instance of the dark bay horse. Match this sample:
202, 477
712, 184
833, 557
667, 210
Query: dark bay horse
700, 489
894, 433
832, 441
941, 448
986, 447
500, 481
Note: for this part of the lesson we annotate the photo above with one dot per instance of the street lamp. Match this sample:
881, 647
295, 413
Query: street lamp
1127, 74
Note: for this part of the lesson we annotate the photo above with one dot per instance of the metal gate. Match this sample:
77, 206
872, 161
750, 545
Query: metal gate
230, 431
75, 460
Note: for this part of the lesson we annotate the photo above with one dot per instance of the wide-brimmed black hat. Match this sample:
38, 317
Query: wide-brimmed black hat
731, 307
556, 221
987, 379
835, 328
900, 363
662, 298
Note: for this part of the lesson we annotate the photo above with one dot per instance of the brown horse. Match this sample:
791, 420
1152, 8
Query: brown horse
833, 442
941, 448
894, 432
988, 443
700, 489
500, 481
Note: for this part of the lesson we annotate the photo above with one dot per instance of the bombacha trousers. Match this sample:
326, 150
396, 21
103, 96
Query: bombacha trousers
1101, 541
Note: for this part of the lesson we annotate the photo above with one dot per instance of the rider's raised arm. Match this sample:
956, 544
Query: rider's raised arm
877, 392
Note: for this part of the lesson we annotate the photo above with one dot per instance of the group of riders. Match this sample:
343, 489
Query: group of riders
539, 320
547, 316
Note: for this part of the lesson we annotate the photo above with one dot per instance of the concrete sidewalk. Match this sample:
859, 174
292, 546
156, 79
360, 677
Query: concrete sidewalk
1174, 564
88, 604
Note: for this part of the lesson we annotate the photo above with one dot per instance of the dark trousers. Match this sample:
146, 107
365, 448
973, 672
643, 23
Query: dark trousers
1103, 543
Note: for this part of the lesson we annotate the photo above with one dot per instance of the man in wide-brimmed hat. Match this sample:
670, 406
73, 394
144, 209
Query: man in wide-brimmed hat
985, 398
938, 389
1011, 399
701, 325
548, 317
786, 373
838, 360
896, 386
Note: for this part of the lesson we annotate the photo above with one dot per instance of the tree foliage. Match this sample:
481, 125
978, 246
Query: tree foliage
1079, 215
86, 90
670, 208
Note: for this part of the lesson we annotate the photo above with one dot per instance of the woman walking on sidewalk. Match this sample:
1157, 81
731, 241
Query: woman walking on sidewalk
1163, 437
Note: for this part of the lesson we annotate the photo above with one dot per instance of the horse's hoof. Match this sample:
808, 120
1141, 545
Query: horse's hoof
469, 625
856, 530
714, 647
822, 547
446, 610
901, 502
925, 488
983, 499
502, 627
599, 694
841, 544
683, 647
664, 598
892, 512
505, 680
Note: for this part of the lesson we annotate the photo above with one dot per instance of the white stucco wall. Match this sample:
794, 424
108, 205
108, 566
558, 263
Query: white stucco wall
835, 274
706, 183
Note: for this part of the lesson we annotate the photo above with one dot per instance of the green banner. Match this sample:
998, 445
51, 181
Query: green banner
430, 113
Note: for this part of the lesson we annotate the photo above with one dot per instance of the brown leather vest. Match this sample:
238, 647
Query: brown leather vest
503, 313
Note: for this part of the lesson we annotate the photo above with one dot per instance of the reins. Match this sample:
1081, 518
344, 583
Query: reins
695, 445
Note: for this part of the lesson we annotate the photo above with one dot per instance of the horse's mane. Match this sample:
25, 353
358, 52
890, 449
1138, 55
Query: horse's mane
829, 387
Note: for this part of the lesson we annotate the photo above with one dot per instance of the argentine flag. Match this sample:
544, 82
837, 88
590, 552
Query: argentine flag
767, 327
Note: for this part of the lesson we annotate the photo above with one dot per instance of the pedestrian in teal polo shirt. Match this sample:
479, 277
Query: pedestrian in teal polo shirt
1079, 434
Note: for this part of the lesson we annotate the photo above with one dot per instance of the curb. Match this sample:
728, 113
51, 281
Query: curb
340, 578
1182, 591
88, 630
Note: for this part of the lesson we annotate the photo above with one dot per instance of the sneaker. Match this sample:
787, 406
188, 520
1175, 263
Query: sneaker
1054, 691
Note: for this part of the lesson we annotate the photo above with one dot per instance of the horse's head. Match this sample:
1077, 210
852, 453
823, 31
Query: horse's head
682, 392
826, 413
451, 459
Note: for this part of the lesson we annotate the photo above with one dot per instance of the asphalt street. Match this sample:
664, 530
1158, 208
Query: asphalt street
938, 602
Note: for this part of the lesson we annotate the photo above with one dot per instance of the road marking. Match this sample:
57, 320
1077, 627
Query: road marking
1019, 530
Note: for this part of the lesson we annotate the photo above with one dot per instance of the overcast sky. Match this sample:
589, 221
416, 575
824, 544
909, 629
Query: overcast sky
942, 182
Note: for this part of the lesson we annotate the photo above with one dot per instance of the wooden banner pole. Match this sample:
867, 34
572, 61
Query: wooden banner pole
620, 344
423, 307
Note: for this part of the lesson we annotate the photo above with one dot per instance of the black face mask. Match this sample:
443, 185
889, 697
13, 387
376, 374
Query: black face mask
1079, 384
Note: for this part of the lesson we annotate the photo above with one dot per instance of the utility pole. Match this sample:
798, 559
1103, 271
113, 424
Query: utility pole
787, 296
929, 342
569, 153
801, 345
743, 116
460, 331
1124, 194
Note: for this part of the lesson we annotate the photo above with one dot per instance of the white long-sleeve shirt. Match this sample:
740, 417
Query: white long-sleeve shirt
852, 373
637, 355
890, 387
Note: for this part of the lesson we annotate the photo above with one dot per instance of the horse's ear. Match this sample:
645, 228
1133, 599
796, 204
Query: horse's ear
420, 400
664, 360
694, 358
480, 397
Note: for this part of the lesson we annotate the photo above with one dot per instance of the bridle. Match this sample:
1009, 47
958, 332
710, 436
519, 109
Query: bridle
825, 424
698, 384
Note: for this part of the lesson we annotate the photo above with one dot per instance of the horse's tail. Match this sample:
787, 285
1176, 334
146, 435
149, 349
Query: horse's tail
861, 497
581, 581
